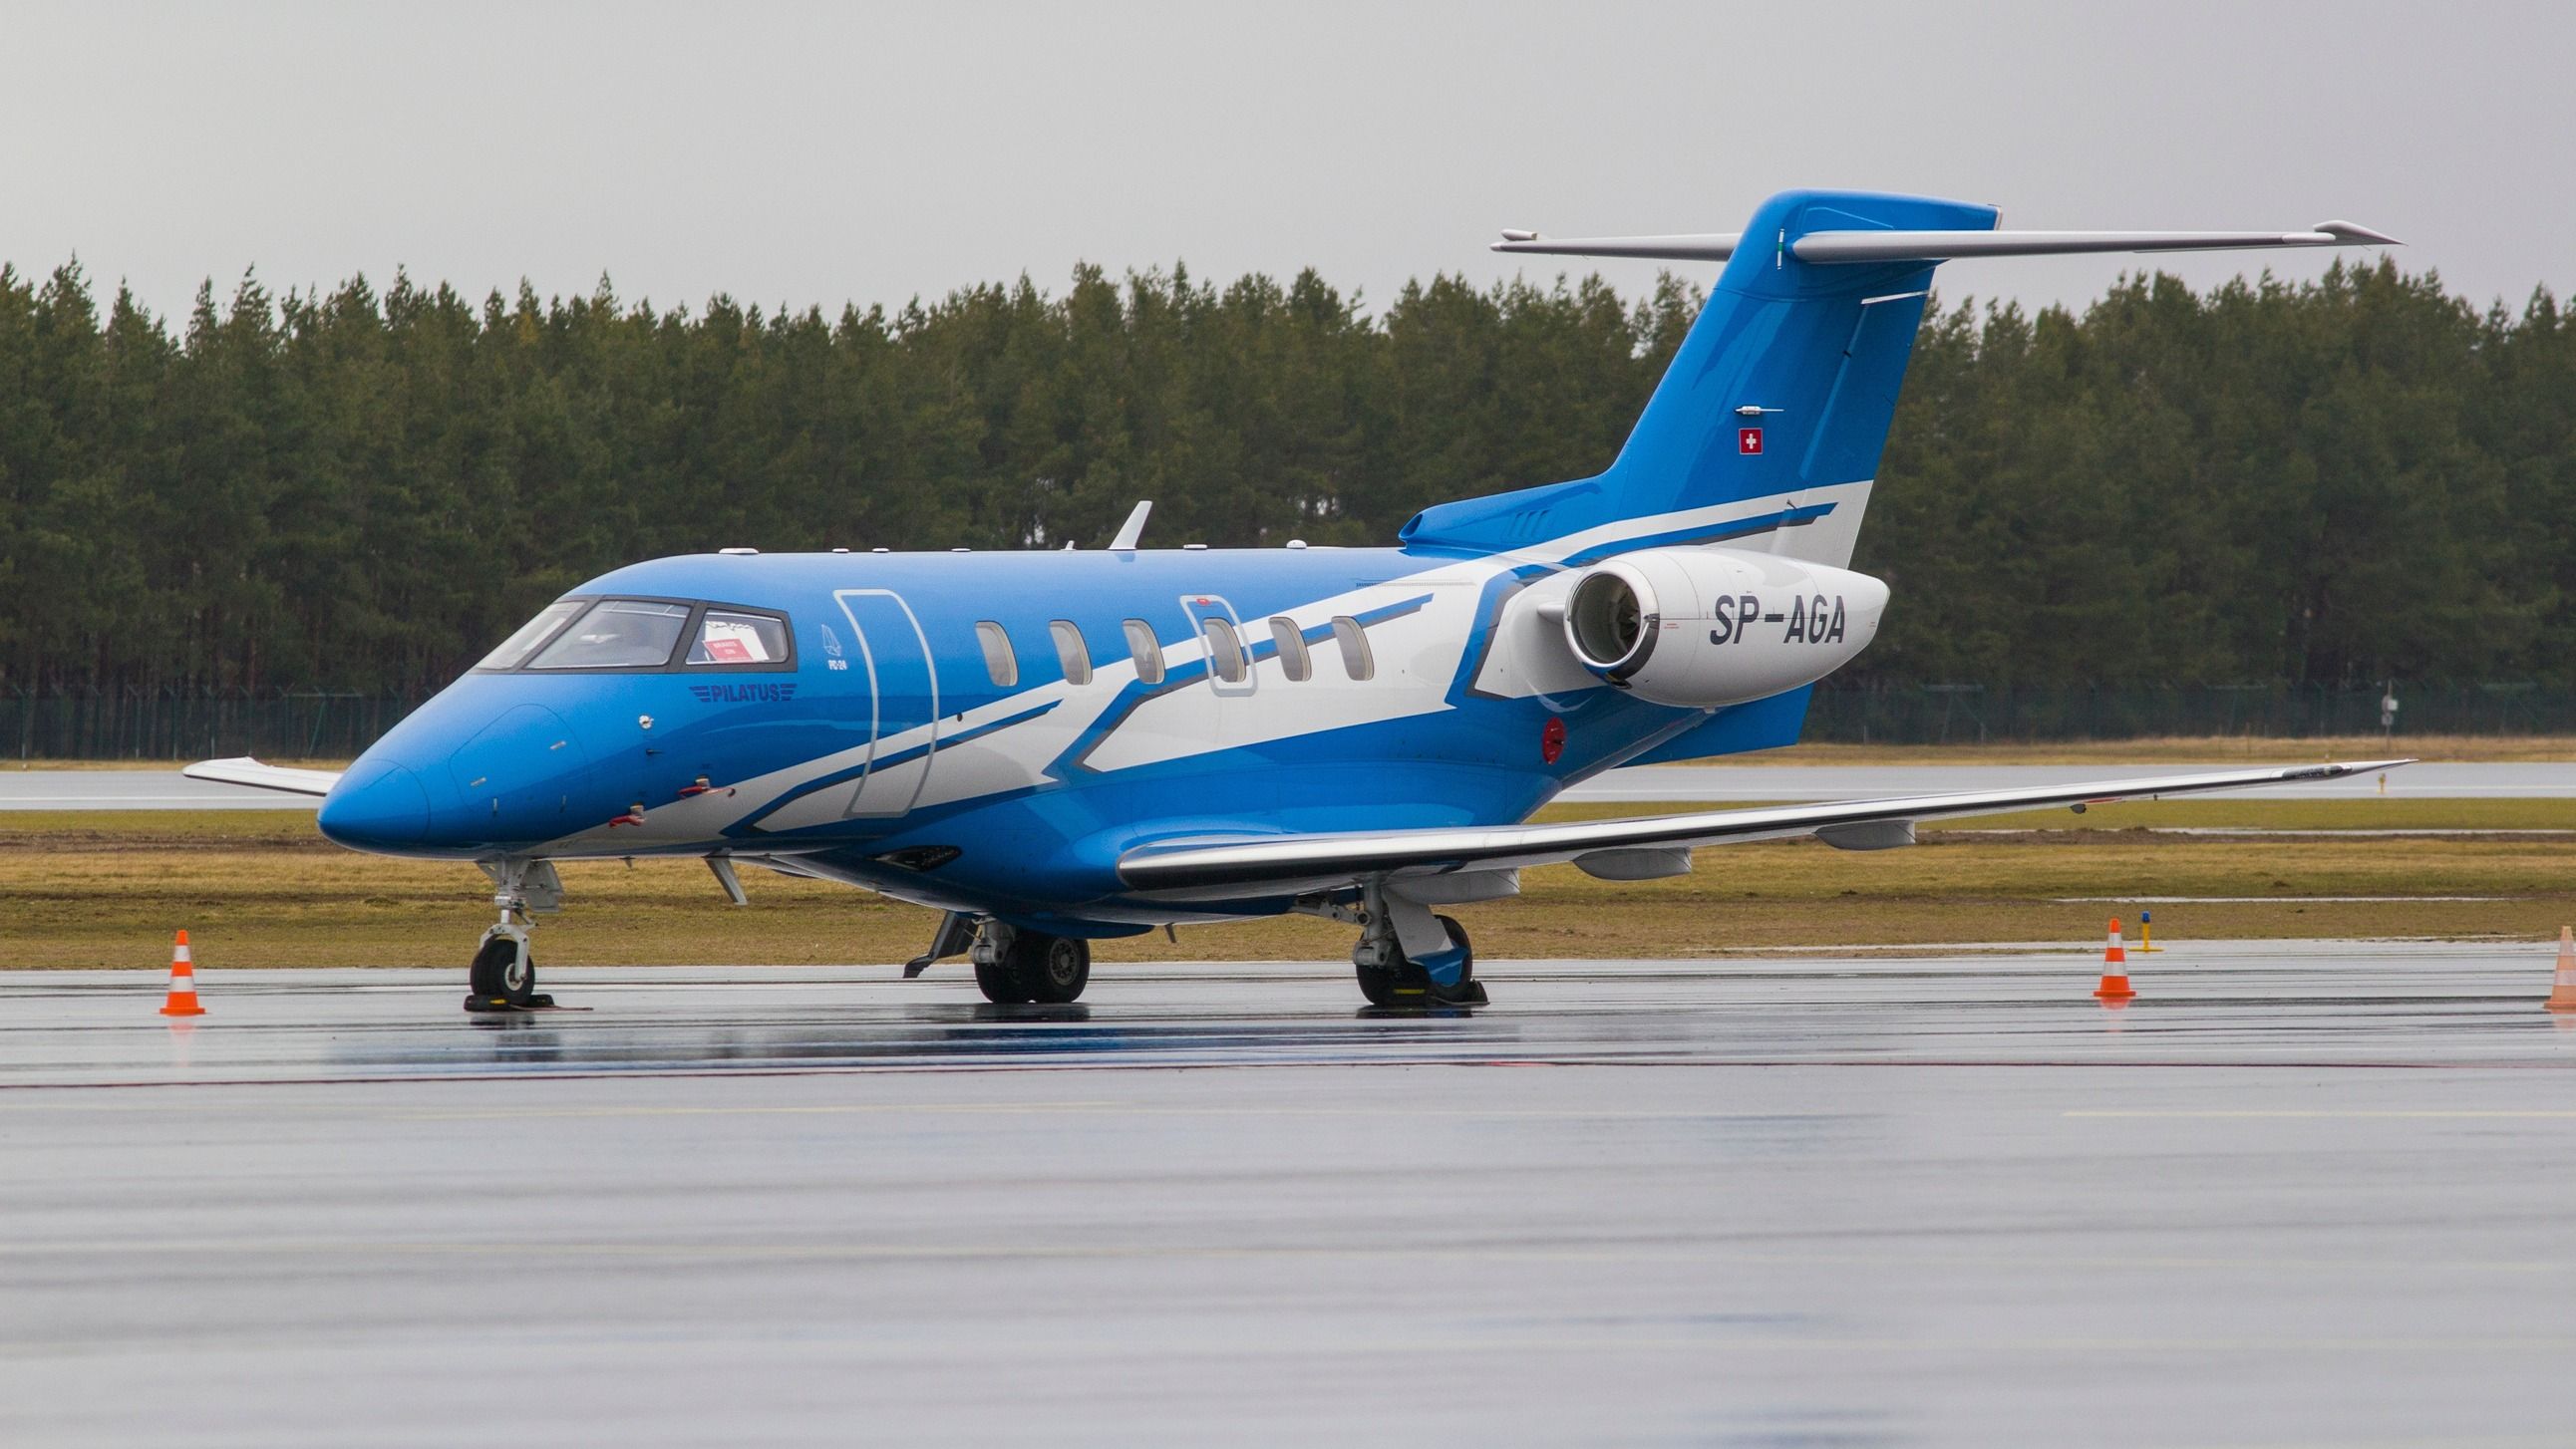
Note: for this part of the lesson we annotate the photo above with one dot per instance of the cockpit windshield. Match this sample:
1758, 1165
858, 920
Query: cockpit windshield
642, 634
617, 634
515, 650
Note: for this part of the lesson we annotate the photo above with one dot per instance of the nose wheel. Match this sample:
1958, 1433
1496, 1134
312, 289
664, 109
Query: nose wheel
504, 974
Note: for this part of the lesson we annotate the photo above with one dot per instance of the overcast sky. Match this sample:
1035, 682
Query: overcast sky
833, 153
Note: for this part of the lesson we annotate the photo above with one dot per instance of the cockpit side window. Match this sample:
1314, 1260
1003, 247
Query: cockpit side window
515, 649
617, 634
734, 637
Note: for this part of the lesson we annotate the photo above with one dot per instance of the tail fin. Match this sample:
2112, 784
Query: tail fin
1783, 389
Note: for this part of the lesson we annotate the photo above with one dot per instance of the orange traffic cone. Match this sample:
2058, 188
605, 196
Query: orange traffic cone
183, 982
2562, 992
2115, 969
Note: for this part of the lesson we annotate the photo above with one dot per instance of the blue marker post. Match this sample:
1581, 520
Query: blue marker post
2146, 931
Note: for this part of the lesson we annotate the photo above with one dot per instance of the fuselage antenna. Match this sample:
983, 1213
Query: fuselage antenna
1134, 528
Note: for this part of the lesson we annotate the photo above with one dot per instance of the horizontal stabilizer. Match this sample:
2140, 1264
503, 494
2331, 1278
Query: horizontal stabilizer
244, 770
1832, 247
1218, 868
1713, 247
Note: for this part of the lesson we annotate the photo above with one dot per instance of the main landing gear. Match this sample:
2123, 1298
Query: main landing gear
504, 974
1407, 957
1013, 967
1396, 980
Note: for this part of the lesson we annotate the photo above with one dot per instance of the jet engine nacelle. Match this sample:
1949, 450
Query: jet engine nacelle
1701, 627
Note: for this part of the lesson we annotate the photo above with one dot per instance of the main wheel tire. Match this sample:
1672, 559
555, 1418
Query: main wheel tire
1391, 985
1055, 968
503, 972
1458, 934
1464, 991
1003, 983
1407, 984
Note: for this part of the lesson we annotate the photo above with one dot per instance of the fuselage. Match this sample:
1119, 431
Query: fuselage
990, 731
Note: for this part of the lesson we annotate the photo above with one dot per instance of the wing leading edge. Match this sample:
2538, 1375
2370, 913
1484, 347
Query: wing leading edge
1211, 868
243, 770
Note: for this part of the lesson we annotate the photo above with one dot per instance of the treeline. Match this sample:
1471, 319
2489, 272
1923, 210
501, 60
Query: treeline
2359, 478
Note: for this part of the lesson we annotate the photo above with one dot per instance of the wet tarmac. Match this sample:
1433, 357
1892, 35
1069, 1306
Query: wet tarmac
2522, 780
2297, 1193
134, 790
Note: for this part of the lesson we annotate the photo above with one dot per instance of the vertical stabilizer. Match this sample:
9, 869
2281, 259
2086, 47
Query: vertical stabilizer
1783, 389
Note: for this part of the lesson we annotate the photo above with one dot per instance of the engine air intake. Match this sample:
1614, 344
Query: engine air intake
1704, 627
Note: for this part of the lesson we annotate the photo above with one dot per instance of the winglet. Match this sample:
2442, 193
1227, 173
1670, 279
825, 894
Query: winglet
1133, 529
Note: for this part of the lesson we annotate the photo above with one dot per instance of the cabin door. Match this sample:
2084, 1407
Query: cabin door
896, 655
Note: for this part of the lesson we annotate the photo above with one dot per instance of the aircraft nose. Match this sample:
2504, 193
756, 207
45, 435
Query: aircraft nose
374, 807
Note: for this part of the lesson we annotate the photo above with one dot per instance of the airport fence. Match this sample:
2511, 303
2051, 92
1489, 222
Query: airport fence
111, 724
166, 724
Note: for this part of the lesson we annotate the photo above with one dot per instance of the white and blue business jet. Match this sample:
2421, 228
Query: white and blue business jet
1059, 747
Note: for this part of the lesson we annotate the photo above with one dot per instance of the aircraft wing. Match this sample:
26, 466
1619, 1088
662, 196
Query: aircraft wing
244, 770
1205, 867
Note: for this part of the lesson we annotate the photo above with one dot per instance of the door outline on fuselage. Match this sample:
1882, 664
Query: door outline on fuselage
875, 793
1199, 608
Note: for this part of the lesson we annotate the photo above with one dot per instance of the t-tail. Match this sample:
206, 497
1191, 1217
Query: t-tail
1768, 425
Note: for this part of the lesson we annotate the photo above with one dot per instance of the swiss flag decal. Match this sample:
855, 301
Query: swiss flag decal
1748, 441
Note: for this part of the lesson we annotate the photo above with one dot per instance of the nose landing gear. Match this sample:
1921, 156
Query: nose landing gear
504, 974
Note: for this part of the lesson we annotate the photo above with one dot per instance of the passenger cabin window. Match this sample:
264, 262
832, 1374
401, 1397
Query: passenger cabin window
999, 661
1355, 647
1224, 648
1293, 659
515, 650
725, 637
617, 634
1071, 651
1149, 653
